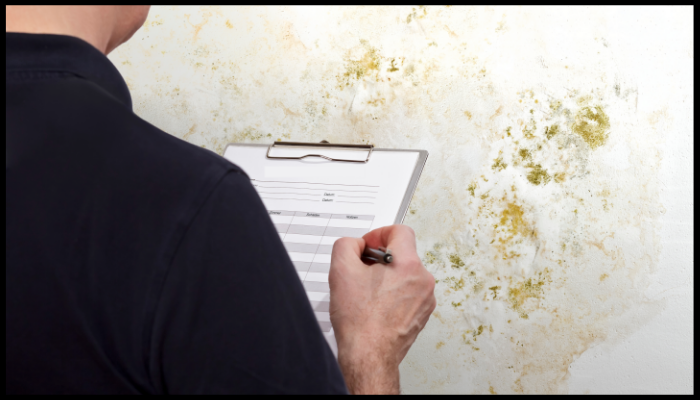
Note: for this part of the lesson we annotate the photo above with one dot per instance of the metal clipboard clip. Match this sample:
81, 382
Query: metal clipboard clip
322, 144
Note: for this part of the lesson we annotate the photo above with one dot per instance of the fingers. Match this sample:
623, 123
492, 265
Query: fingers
400, 239
349, 246
344, 257
347, 250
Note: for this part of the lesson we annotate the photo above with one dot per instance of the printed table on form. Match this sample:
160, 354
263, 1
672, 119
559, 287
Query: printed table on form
308, 238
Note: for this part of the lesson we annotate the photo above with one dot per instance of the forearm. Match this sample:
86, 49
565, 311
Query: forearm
368, 374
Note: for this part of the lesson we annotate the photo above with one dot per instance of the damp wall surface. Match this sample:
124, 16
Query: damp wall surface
555, 210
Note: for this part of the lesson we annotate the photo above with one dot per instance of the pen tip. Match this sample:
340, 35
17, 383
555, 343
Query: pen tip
388, 258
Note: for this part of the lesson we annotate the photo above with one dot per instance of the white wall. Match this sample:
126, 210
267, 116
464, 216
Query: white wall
556, 207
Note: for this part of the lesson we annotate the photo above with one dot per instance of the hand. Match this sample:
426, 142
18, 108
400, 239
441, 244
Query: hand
378, 310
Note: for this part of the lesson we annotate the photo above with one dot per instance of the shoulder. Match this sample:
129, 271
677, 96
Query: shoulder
91, 125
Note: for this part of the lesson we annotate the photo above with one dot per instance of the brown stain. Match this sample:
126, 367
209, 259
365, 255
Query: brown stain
376, 102
199, 26
600, 246
439, 345
497, 113
229, 25
286, 34
287, 112
437, 315
189, 132
450, 32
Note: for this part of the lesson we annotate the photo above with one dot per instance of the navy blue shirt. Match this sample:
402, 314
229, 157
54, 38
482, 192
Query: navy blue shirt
136, 262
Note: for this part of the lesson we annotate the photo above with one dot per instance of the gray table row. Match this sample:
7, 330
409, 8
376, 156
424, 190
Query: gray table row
320, 287
335, 231
311, 266
322, 216
309, 248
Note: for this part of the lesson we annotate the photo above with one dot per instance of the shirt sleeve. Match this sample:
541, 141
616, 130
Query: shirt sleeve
233, 316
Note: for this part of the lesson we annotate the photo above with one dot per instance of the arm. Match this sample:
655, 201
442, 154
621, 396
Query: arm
378, 310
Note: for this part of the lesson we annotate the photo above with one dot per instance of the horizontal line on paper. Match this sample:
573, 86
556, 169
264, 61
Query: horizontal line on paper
281, 198
315, 183
355, 202
325, 190
300, 194
357, 197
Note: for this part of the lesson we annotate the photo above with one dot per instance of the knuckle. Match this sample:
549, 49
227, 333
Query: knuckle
431, 283
408, 229
415, 263
413, 260
343, 241
341, 244
433, 304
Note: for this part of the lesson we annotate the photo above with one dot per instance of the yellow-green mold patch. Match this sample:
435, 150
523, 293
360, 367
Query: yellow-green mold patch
430, 257
550, 131
538, 175
454, 283
498, 164
523, 155
471, 188
356, 69
528, 289
592, 124
456, 261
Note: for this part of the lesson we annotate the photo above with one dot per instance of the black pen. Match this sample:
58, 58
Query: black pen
381, 255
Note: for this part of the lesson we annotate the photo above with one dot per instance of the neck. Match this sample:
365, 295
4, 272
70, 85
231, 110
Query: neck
95, 25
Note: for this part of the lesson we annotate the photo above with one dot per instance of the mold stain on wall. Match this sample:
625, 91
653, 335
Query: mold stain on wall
539, 249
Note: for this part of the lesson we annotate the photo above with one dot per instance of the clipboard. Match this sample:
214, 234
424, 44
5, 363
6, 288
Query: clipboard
306, 150
316, 193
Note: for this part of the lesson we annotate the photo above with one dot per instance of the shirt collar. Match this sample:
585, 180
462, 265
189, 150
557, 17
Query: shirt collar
59, 53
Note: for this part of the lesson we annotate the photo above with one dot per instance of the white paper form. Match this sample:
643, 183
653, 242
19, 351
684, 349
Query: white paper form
314, 202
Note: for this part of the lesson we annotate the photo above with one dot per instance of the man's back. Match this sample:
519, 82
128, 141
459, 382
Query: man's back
135, 262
